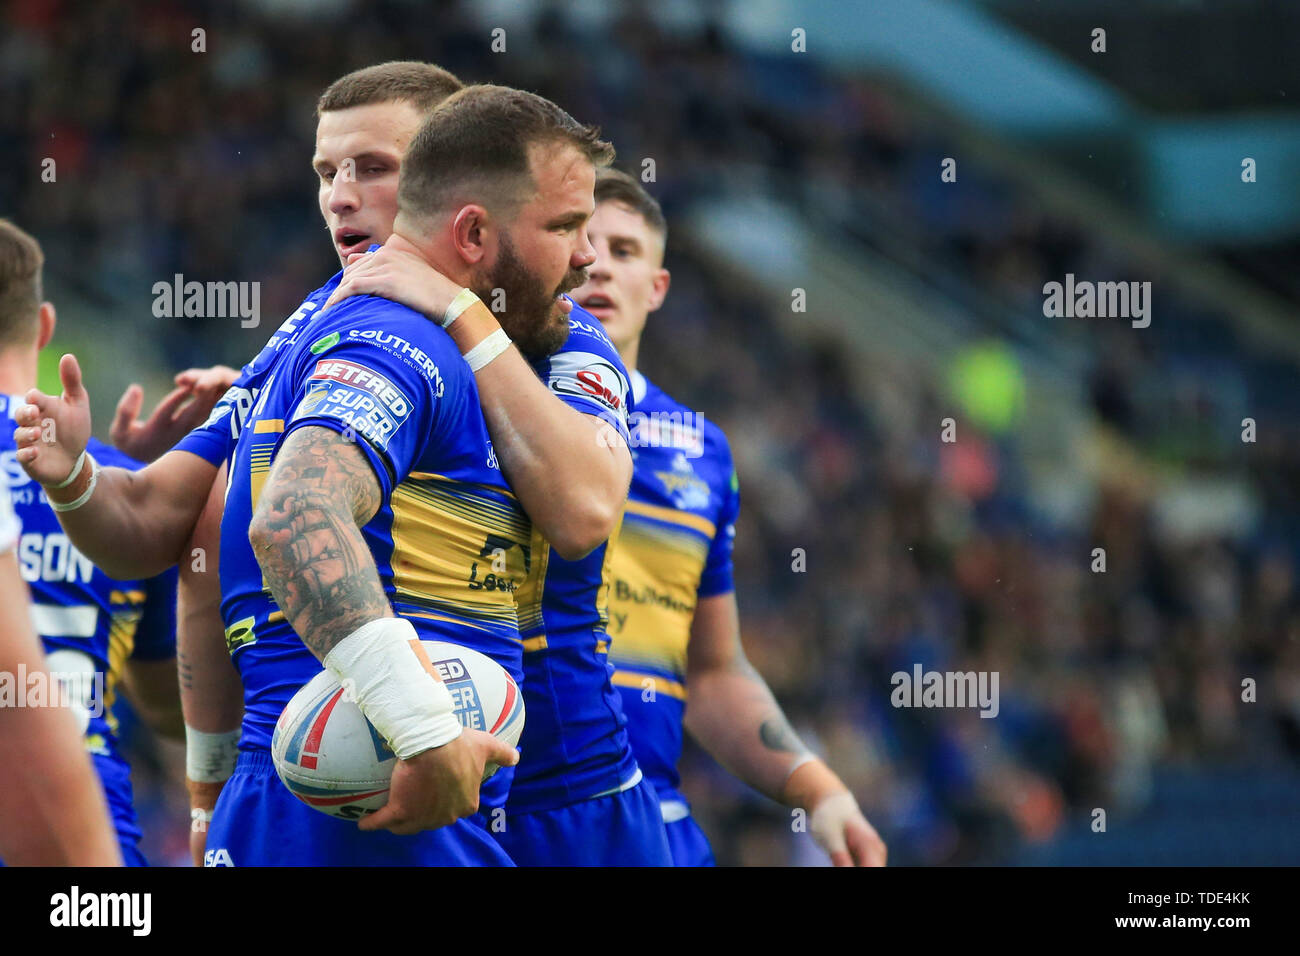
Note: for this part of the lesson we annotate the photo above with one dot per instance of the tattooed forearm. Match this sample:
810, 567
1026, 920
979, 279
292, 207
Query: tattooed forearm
184, 670
777, 734
307, 537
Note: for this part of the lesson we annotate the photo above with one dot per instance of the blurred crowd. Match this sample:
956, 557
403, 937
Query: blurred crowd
916, 550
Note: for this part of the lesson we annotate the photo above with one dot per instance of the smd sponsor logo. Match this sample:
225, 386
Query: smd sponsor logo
589, 376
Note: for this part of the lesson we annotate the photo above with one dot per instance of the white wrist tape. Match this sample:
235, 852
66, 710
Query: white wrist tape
210, 758
411, 708
464, 299
483, 353
829, 819
76, 470
85, 495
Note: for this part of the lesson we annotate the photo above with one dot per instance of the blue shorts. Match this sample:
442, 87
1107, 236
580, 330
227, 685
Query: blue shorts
258, 822
621, 829
689, 845
131, 855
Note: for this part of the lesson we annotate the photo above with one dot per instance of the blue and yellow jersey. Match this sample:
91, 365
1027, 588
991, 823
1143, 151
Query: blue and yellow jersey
214, 440
90, 624
574, 745
450, 541
675, 547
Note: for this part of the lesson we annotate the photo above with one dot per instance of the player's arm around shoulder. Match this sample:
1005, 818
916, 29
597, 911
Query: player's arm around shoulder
567, 459
560, 429
570, 470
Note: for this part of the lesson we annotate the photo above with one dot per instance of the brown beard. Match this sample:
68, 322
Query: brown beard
531, 317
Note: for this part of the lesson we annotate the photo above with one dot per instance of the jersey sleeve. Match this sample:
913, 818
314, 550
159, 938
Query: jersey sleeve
587, 374
717, 577
155, 635
214, 440
386, 397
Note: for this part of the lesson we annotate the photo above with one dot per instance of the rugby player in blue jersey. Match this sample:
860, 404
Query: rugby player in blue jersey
579, 773
98, 633
571, 478
578, 797
674, 620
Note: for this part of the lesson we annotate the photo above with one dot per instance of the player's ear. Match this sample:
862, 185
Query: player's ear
47, 319
659, 290
470, 231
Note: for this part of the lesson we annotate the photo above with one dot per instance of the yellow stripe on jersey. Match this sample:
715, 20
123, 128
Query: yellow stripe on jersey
125, 597
660, 685
673, 516
655, 574
121, 642
259, 466
534, 644
267, 426
424, 615
607, 573
458, 549
528, 599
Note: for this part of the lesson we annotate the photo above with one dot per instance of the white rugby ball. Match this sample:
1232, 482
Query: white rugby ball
333, 759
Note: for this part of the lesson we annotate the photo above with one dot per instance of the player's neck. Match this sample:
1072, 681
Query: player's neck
431, 253
17, 370
629, 353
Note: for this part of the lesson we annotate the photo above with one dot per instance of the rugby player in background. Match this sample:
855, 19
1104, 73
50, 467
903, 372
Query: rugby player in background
52, 813
674, 620
94, 629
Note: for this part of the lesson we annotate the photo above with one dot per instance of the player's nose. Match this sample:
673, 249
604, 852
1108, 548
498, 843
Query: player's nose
583, 257
344, 196
585, 254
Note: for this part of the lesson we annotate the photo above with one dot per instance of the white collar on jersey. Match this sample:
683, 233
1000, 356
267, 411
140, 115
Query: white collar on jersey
638, 387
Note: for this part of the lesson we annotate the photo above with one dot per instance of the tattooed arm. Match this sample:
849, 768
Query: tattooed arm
306, 534
733, 715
